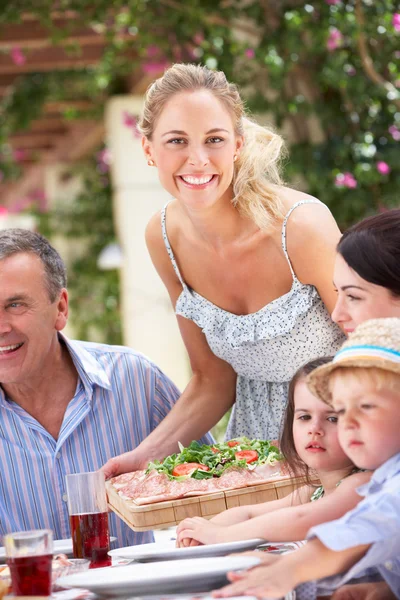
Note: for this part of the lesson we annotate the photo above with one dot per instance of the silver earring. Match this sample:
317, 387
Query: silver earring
150, 163
235, 157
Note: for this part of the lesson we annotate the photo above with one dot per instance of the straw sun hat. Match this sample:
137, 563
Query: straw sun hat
374, 343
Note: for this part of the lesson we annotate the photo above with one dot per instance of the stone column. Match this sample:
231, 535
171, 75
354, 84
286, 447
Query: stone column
149, 322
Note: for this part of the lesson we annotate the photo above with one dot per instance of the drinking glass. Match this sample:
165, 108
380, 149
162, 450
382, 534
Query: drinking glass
88, 513
29, 556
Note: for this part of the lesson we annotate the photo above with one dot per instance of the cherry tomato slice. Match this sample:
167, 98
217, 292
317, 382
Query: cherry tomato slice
214, 450
232, 444
188, 469
248, 455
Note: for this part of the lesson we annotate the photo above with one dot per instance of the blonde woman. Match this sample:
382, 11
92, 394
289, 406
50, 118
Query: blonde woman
247, 261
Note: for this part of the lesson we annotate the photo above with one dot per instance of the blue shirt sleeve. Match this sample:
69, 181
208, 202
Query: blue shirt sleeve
374, 519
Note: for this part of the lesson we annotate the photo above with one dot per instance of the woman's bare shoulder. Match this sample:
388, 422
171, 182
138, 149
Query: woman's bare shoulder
309, 214
154, 230
290, 197
311, 221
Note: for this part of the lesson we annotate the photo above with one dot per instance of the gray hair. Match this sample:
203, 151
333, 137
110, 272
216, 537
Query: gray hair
15, 241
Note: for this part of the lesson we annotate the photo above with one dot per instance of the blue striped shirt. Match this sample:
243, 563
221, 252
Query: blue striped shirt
120, 398
376, 521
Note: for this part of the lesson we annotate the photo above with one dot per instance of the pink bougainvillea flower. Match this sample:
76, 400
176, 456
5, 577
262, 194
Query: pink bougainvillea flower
128, 119
38, 196
104, 156
104, 160
394, 132
19, 154
345, 180
152, 50
17, 56
199, 38
350, 70
3, 211
154, 68
383, 168
335, 39
396, 21
249, 53
333, 1
131, 121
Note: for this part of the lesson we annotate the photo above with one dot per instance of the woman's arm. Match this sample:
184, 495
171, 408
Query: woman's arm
284, 525
209, 394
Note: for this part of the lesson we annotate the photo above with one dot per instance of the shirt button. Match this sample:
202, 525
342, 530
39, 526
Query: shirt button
58, 455
65, 497
389, 565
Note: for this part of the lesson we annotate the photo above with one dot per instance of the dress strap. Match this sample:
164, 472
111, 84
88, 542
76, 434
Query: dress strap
168, 245
284, 246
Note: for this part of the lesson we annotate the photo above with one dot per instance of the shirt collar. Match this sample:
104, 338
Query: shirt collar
386, 471
90, 371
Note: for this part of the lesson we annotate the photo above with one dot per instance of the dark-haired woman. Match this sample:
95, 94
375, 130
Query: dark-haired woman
367, 271
367, 278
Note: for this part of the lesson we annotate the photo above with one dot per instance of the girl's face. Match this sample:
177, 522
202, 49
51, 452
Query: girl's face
315, 432
193, 147
359, 300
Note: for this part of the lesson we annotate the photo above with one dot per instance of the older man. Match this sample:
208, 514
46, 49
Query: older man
65, 406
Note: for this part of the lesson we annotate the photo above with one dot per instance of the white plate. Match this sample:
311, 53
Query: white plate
59, 547
167, 550
169, 577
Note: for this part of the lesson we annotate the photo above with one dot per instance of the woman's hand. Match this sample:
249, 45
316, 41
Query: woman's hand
200, 530
271, 578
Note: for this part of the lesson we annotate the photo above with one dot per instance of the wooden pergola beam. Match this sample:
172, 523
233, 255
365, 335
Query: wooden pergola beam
34, 140
61, 106
67, 141
48, 124
43, 60
34, 35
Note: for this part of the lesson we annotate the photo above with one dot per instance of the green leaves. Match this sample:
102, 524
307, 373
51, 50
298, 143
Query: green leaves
218, 457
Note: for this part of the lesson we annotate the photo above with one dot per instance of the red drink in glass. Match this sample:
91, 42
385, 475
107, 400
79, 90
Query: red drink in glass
31, 575
91, 539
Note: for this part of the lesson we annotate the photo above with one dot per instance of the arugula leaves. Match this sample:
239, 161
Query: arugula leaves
218, 457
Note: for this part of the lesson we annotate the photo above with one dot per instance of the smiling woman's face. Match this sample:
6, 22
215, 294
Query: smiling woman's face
193, 146
359, 300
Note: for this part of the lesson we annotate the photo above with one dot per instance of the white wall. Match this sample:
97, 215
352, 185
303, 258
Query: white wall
149, 322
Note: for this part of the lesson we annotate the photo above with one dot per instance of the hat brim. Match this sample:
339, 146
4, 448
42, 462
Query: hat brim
318, 380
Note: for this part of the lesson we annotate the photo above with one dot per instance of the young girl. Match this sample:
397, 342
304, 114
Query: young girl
310, 444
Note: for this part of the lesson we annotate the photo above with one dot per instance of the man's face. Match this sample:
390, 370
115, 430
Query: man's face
369, 421
29, 321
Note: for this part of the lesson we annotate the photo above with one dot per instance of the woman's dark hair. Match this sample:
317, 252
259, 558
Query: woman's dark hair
372, 249
297, 467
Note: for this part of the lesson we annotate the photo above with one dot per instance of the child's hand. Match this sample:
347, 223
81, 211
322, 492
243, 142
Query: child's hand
184, 542
200, 530
271, 579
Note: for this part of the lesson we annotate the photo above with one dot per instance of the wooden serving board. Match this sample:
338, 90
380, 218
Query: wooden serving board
166, 514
